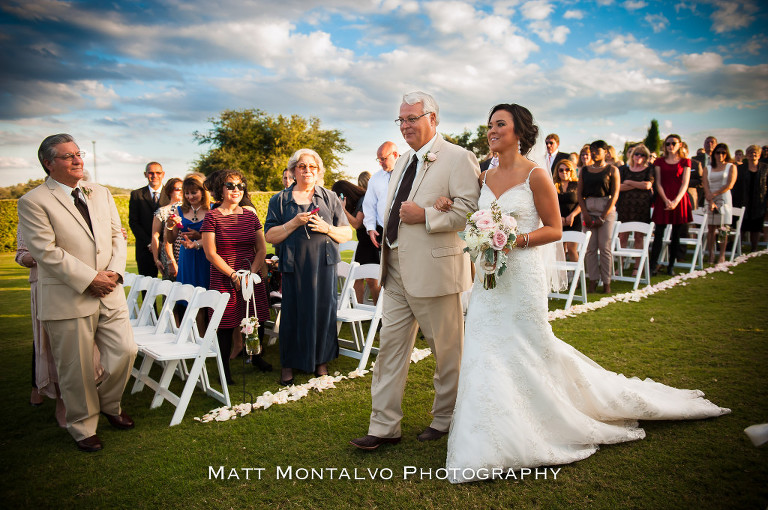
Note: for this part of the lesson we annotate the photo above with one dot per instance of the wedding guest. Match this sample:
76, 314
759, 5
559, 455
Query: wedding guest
288, 179
738, 157
598, 191
718, 180
635, 194
566, 184
695, 186
194, 267
552, 155
574, 157
233, 240
751, 191
704, 156
142, 205
611, 158
165, 254
672, 173
309, 223
585, 158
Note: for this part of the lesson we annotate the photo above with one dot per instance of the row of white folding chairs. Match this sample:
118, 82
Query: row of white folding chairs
575, 269
172, 345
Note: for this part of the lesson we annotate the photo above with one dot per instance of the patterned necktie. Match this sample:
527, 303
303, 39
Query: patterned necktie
83, 208
402, 193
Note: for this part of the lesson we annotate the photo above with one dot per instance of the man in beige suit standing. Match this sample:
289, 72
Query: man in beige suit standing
424, 270
73, 231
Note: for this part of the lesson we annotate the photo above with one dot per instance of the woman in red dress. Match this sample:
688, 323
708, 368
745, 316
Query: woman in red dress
233, 240
672, 206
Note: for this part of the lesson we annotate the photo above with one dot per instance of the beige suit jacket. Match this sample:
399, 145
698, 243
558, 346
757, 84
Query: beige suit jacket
68, 255
433, 263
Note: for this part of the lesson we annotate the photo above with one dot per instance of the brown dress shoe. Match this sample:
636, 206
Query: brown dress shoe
372, 442
121, 421
430, 434
90, 444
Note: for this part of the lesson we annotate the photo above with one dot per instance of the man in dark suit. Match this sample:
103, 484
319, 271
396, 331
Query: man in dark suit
72, 230
552, 156
141, 211
705, 160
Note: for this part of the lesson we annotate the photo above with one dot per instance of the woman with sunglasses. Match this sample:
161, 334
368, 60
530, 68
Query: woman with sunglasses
719, 178
233, 240
636, 193
672, 173
308, 222
566, 184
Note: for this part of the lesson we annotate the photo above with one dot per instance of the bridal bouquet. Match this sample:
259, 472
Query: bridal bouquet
489, 235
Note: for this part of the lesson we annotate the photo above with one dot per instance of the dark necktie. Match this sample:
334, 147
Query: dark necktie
82, 207
402, 194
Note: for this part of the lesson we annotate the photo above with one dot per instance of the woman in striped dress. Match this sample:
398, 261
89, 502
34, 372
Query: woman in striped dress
233, 240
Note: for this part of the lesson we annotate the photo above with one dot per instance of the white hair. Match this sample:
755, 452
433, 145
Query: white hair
428, 103
309, 152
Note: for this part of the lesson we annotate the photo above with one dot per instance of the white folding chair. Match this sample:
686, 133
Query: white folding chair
165, 331
696, 232
643, 254
738, 215
575, 269
353, 313
343, 270
138, 285
197, 349
128, 279
147, 315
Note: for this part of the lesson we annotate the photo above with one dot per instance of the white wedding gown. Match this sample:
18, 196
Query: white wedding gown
528, 399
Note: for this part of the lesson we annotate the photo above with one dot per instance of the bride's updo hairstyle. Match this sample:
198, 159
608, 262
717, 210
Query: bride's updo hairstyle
525, 129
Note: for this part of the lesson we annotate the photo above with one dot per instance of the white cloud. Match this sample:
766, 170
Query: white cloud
633, 5
547, 33
12, 163
658, 22
536, 9
702, 62
627, 47
573, 14
732, 15
667, 125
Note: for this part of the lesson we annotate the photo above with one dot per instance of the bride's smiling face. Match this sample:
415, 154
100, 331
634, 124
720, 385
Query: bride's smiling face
501, 132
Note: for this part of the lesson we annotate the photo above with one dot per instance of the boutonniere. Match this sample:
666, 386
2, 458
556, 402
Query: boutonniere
430, 157
86, 192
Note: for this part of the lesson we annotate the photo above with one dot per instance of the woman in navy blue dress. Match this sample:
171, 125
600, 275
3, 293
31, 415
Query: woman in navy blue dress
308, 222
194, 268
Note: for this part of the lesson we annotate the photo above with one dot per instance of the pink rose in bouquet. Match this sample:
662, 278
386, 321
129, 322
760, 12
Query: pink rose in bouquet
499, 240
509, 222
483, 220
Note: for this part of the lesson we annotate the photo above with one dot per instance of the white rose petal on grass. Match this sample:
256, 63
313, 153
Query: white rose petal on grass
652, 319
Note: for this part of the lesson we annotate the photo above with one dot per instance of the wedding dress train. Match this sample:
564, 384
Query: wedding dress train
528, 399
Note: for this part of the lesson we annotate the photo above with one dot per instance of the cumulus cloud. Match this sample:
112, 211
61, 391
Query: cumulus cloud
573, 14
536, 9
658, 22
732, 15
548, 33
633, 5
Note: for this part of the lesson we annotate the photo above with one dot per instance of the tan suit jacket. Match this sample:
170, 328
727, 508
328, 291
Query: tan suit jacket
68, 255
433, 263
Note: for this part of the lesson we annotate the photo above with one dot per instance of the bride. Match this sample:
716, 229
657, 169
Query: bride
526, 398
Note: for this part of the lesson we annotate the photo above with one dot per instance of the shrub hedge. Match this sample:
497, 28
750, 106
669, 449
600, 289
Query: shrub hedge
9, 218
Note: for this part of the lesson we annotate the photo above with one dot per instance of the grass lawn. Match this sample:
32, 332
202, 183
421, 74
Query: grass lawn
709, 334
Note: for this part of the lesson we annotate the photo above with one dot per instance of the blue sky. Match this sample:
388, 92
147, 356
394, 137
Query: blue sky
139, 77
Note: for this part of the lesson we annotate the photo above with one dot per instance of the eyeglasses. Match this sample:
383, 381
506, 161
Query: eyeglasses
231, 186
563, 170
550, 142
382, 160
69, 156
670, 144
639, 156
410, 120
179, 189
304, 166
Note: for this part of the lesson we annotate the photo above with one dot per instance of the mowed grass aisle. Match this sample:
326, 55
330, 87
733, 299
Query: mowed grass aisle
709, 334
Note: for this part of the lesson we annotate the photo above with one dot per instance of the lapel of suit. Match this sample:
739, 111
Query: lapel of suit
426, 165
68, 203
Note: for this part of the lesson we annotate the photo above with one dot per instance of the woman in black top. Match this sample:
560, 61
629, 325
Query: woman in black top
635, 193
598, 192
566, 184
751, 192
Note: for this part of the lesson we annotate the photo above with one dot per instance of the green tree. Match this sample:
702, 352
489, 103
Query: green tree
652, 140
477, 144
18, 190
259, 145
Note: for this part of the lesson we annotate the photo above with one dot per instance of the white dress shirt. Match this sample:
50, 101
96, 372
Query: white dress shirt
375, 201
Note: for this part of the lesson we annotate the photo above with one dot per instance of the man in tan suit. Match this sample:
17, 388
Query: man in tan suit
73, 231
424, 270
